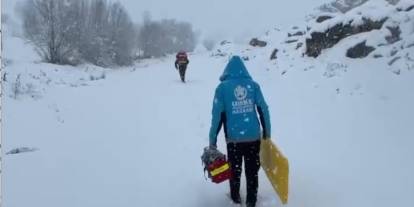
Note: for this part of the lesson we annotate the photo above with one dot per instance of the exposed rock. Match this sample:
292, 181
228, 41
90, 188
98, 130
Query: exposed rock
395, 35
409, 58
397, 71
394, 60
328, 8
342, 6
393, 52
321, 19
224, 42
327, 39
299, 45
219, 53
378, 56
290, 41
21, 150
405, 8
360, 50
299, 33
274, 54
257, 43
393, 2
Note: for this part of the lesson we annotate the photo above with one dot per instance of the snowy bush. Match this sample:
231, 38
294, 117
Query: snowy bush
335, 69
20, 87
97, 77
17, 87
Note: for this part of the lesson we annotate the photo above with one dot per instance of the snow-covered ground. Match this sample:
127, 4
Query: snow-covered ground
134, 136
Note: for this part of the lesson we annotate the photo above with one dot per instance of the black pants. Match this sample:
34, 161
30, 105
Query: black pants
250, 152
182, 69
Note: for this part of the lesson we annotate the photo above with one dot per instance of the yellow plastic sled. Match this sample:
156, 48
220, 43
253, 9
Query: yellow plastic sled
276, 167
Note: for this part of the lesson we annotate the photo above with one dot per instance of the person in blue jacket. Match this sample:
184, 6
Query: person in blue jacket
238, 100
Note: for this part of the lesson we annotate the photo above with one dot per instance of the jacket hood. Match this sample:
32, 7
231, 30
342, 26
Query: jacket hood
235, 69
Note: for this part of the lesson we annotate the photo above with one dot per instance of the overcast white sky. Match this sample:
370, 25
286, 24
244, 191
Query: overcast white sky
232, 19
227, 18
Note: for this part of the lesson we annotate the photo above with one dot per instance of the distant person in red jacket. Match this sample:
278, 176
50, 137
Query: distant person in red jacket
181, 63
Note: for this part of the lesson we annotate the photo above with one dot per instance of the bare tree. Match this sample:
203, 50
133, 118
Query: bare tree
158, 38
122, 36
48, 25
209, 44
150, 37
72, 31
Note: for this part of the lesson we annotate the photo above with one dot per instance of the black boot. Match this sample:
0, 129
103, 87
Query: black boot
235, 198
250, 204
235, 189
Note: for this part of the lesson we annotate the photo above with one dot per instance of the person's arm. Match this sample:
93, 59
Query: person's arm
176, 64
217, 117
263, 111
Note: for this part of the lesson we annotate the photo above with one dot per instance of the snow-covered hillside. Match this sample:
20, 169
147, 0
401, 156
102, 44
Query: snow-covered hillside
133, 136
375, 30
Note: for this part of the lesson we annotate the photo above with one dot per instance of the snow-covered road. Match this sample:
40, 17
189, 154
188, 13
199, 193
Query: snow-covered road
135, 138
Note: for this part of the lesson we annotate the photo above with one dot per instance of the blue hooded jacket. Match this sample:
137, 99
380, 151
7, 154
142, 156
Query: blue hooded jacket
237, 101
